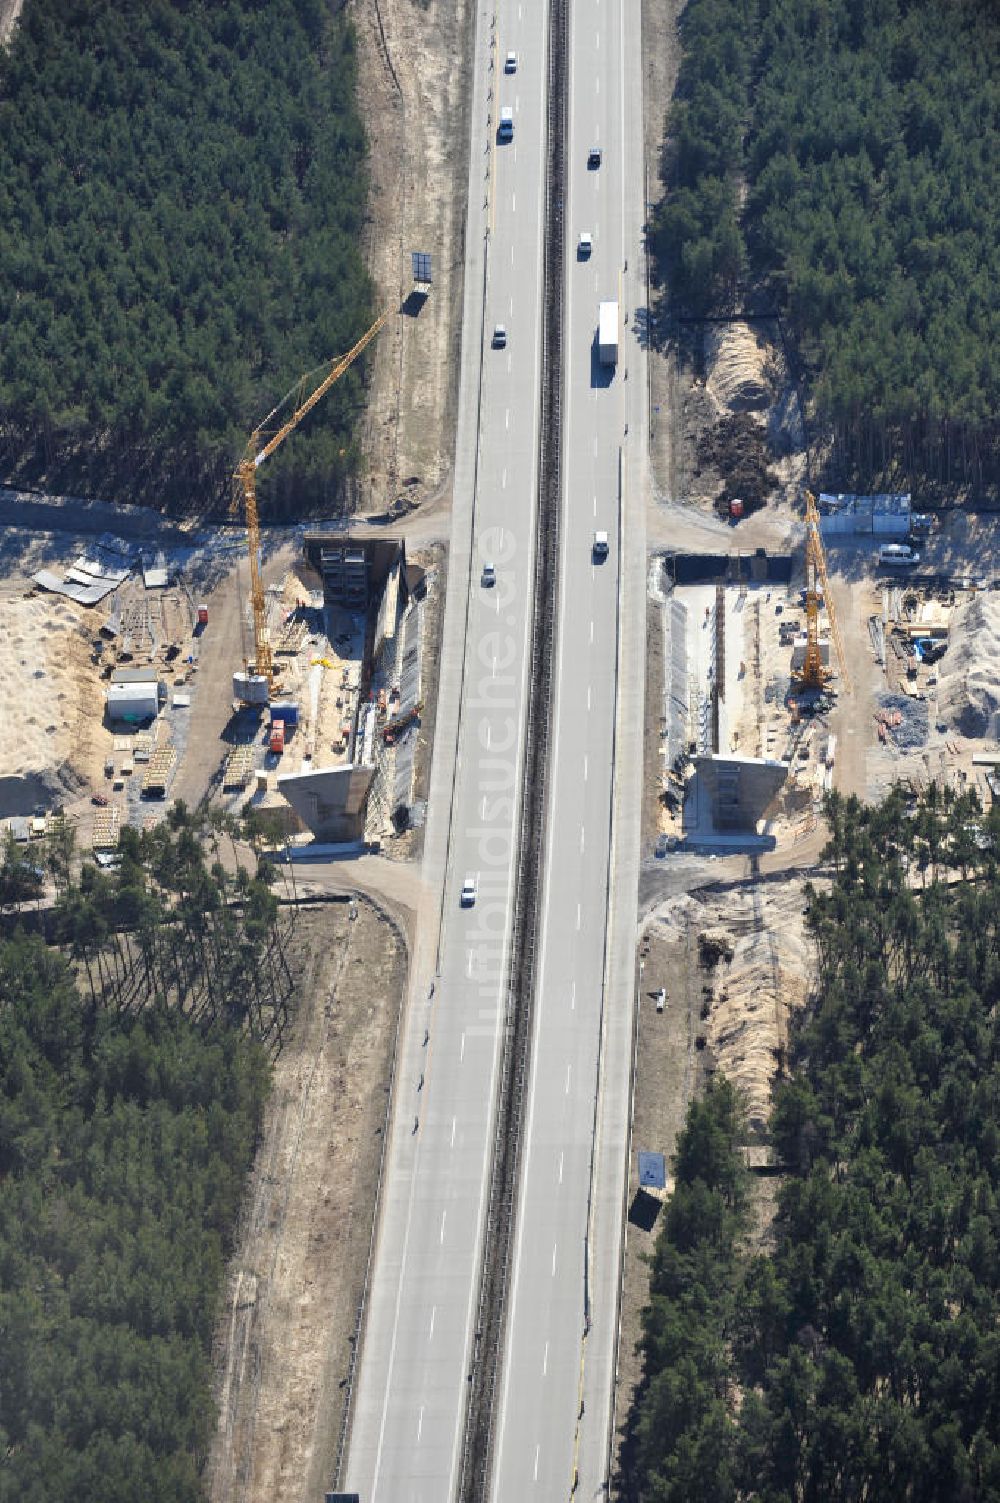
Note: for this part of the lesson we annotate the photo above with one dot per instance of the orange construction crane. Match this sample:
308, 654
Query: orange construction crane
259, 446
813, 673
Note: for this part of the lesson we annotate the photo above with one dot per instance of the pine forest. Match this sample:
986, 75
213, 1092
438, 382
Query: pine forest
137, 1028
854, 1354
839, 164
182, 190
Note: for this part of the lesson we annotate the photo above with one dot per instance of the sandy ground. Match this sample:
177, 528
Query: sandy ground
285, 1339
49, 692
414, 60
9, 12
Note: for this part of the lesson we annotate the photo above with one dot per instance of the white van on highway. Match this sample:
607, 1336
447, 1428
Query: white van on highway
897, 556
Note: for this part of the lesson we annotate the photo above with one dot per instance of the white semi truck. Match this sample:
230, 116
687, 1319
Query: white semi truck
607, 333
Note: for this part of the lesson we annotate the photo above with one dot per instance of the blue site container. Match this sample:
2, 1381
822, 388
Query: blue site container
286, 710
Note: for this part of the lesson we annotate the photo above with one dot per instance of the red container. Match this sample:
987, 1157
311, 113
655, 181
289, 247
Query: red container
736, 507
277, 737
203, 615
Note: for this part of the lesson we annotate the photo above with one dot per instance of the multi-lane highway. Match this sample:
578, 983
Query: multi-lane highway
420, 1331
561, 1330
420, 1337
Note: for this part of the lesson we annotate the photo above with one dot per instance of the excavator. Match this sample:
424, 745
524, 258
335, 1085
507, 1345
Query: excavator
255, 684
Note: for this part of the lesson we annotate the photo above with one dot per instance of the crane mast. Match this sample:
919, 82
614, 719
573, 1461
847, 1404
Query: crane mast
258, 448
814, 674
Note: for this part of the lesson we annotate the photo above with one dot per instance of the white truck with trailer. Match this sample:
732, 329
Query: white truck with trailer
607, 333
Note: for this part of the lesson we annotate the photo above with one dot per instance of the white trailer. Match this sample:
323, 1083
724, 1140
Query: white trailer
607, 333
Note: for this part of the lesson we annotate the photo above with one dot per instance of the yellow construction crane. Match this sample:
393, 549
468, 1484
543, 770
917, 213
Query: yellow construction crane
259, 446
813, 673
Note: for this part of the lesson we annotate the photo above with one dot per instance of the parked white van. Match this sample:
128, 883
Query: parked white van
897, 556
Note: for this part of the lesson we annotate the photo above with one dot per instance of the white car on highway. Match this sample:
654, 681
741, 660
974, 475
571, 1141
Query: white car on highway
470, 890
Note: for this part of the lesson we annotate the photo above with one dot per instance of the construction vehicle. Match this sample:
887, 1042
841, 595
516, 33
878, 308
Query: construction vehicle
814, 675
263, 443
276, 741
393, 727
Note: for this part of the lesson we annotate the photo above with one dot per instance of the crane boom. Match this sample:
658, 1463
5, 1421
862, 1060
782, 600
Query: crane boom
246, 474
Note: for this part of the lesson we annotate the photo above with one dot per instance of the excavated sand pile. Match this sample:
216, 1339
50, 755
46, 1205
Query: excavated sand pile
754, 993
50, 700
969, 672
735, 361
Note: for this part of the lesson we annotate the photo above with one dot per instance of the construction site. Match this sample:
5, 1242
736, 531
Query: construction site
864, 657
144, 664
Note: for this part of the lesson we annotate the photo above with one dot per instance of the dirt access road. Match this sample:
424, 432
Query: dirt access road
414, 58
285, 1338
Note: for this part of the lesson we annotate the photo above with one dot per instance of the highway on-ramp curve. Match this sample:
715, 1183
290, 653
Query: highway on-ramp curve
419, 1332
552, 1428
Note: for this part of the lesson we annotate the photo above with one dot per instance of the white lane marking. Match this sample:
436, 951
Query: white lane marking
444, 1218
569, 1071
493, 674
579, 915
462, 1054
572, 1004
512, 255
454, 1124
591, 631
430, 1334
484, 804
392, 1347
581, 840
468, 967
537, 1449
588, 707
586, 765
489, 732
513, 207
553, 1259
545, 1361
595, 506
561, 1157
506, 418
420, 1422
503, 480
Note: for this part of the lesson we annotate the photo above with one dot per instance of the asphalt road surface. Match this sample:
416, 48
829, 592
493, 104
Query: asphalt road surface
420, 1332
557, 1381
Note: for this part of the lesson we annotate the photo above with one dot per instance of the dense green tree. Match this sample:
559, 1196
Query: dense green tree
182, 189
126, 1133
858, 1357
841, 163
